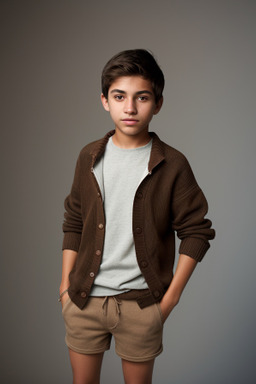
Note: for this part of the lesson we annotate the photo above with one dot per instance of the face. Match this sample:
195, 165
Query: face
131, 103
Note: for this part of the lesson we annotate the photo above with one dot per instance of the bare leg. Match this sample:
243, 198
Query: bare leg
138, 373
86, 368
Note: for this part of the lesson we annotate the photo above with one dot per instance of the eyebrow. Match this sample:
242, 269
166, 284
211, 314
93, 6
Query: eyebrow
137, 93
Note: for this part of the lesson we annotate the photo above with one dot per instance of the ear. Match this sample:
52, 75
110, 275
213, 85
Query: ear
104, 102
158, 106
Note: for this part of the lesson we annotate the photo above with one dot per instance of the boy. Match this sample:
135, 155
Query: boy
130, 193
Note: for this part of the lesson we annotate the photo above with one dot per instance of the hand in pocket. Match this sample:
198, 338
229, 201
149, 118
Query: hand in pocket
64, 299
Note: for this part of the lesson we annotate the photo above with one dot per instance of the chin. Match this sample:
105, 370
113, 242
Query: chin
130, 131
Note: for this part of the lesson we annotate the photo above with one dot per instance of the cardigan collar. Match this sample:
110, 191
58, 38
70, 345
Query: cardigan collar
156, 155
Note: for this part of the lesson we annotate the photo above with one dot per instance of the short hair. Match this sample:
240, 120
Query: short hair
133, 62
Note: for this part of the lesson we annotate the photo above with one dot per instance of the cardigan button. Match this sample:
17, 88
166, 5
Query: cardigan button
83, 294
101, 226
156, 294
144, 264
98, 252
138, 230
92, 274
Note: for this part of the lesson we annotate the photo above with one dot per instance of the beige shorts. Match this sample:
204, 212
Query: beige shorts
137, 332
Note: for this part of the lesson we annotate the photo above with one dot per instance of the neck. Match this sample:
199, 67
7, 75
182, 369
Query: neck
130, 141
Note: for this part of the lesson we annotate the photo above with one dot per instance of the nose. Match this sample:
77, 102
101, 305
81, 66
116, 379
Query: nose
130, 106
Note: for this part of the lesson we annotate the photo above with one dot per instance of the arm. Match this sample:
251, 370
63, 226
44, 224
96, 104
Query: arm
184, 270
189, 208
68, 261
72, 228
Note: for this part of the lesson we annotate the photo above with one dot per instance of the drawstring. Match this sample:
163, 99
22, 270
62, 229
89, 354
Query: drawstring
104, 306
117, 304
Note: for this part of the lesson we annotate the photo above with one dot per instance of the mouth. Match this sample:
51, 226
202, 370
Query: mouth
130, 121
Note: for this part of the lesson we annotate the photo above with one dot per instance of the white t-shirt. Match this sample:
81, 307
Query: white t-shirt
119, 174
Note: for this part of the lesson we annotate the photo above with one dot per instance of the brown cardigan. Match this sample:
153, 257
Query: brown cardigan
168, 200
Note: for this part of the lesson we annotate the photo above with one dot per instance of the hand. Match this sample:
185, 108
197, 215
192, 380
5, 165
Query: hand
65, 296
185, 267
166, 308
64, 299
165, 311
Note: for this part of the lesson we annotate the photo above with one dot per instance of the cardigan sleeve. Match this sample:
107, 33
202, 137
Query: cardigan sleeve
73, 223
189, 208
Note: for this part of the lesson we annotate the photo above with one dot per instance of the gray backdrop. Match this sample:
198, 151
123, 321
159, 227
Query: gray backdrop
52, 54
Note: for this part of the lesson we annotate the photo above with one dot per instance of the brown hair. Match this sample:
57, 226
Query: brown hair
134, 62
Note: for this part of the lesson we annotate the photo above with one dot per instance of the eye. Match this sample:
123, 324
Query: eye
119, 97
143, 98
